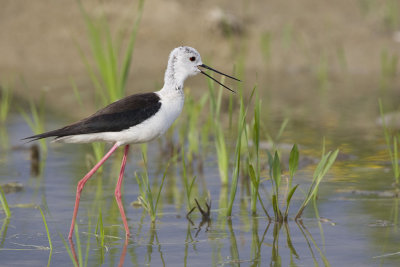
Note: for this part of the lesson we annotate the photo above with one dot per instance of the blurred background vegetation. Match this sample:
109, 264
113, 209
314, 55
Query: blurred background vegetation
294, 50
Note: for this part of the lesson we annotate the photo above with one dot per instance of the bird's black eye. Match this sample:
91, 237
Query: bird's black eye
192, 58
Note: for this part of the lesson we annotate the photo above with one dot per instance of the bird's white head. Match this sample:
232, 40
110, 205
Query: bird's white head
183, 62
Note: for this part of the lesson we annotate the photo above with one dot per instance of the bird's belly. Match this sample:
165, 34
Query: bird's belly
155, 126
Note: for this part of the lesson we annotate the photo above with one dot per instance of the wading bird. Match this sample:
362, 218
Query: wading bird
137, 118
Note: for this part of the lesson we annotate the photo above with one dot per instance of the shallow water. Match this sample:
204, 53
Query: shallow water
358, 222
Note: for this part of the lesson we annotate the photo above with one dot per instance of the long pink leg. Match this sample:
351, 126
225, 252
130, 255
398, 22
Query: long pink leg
118, 191
82, 183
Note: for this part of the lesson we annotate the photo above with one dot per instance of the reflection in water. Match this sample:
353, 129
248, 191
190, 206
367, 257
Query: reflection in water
122, 258
205, 216
3, 231
77, 260
256, 245
290, 244
35, 160
307, 235
387, 249
240, 240
189, 239
256, 242
150, 244
233, 244
275, 257
4, 142
74, 257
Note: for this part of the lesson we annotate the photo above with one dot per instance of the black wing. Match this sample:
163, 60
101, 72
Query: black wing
117, 116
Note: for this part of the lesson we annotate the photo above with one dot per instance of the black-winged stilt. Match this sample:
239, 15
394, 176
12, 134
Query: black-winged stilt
134, 119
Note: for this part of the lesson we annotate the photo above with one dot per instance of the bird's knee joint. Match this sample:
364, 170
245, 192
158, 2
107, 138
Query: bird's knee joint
80, 186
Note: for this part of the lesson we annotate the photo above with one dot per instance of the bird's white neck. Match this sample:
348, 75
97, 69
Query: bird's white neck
174, 78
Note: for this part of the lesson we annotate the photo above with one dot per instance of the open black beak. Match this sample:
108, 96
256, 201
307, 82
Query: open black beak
207, 67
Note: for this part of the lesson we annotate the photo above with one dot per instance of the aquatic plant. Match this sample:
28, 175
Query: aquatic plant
190, 129
255, 194
146, 198
255, 174
322, 168
100, 237
222, 155
220, 143
241, 127
110, 84
47, 228
253, 161
4, 203
48, 235
276, 177
274, 140
36, 119
392, 146
293, 165
187, 184
275, 167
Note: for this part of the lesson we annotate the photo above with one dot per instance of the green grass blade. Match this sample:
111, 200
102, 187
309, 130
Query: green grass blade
149, 197
252, 174
88, 243
322, 168
186, 181
4, 203
77, 94
281, 129
254, 188
71, 256
111, 70
277, 211
393, 158
191, 185
276, 172
236, 172
289, 197
219, 99
128, 57
100, 91
99, 229
47, 229
293, 162
256, 129
222, 155
161, 186
263, 207
395, 161
78, 244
